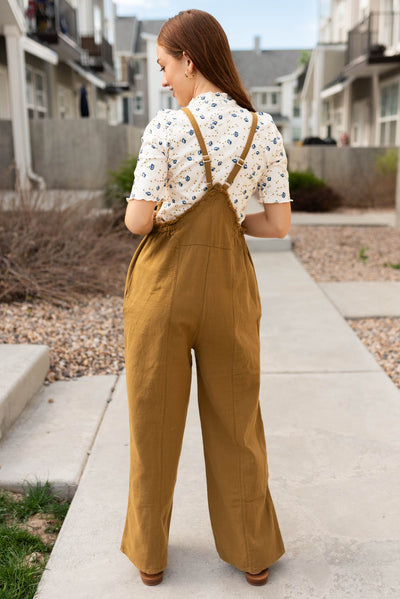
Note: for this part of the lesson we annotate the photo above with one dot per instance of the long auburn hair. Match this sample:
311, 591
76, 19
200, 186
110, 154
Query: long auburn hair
199, 34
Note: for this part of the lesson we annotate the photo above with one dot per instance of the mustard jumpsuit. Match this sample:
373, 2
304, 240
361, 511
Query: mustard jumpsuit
191, 284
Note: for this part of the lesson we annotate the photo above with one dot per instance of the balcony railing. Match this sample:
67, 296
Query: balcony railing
98, 53
48, 18
376, 34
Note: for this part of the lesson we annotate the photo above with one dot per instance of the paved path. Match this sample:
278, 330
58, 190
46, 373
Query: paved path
384, 217
331, 418
369, 217
364, 299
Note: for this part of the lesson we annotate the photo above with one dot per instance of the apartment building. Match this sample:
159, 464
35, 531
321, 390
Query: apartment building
272, 78
136, 63
56, 61
353, 81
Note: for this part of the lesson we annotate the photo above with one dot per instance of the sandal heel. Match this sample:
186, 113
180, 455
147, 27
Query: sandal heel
257, 579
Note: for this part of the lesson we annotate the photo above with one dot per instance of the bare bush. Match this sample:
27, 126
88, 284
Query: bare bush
61, 252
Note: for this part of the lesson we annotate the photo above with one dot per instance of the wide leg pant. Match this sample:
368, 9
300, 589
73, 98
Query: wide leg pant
192, 284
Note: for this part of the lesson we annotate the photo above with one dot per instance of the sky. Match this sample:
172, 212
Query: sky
279, 23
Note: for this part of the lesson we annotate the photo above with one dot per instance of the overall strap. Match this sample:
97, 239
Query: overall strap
206, 158
240, 161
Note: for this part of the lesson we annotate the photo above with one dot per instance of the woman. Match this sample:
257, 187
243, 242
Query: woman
191, 284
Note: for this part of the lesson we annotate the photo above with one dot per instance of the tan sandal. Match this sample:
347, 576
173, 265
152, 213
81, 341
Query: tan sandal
151, 579
257, 579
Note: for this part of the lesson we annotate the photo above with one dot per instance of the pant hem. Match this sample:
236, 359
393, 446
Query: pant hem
142, 567
251, 567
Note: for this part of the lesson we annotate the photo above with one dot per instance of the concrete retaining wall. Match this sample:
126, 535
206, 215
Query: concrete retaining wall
77, 154
70, 154
350, 171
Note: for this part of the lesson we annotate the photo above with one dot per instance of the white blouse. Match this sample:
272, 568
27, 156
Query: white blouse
170, 165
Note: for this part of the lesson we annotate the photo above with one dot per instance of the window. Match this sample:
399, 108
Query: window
36, 96
137, 69
326, 115
264, 98
296, 133
274, 98
167, 100
389, 114
338, 117
138, 103
296, 110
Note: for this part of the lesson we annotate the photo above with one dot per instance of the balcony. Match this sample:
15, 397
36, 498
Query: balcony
98, 56
55, 23
376, 39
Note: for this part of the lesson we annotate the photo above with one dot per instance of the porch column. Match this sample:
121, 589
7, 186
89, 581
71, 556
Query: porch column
19, 117
317, 88
375, 111
305, 117
347, 109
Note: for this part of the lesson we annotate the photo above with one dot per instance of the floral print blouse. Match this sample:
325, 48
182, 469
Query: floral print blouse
170, 165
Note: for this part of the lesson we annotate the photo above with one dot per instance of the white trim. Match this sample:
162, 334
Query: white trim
334, 89
271, 88
291, 76
309, 75
86, 75
148, 36
32, 47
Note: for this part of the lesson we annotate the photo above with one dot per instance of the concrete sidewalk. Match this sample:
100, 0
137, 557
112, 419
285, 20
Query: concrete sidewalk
386, 217
331, 418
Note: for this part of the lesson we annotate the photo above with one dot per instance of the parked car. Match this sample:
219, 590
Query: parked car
313, 141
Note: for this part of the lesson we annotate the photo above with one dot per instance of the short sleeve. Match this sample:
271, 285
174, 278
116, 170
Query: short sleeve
151, 172
273, 185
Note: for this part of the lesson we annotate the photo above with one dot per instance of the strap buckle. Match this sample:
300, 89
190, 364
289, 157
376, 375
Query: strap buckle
206, 158
240, 162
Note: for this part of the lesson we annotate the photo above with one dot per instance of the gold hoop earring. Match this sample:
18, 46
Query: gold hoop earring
187, 76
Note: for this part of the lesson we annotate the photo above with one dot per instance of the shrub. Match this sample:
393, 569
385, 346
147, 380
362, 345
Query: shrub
386, 164
61, 253
303, 180
311, 194
120, 182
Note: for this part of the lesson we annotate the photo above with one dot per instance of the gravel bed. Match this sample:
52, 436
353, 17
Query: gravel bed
332, 253
382, 338
85, 339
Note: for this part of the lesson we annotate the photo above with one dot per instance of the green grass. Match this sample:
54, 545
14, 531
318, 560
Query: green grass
392, 265
23, 555
362, 255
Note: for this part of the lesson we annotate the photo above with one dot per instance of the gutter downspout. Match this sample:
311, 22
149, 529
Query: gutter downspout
19, 116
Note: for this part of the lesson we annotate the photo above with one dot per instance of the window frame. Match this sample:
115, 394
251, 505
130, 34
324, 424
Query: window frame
38, 110
135, 98
384, 122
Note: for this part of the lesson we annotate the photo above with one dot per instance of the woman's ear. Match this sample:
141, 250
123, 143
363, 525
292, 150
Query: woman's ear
189, 65
188, 59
